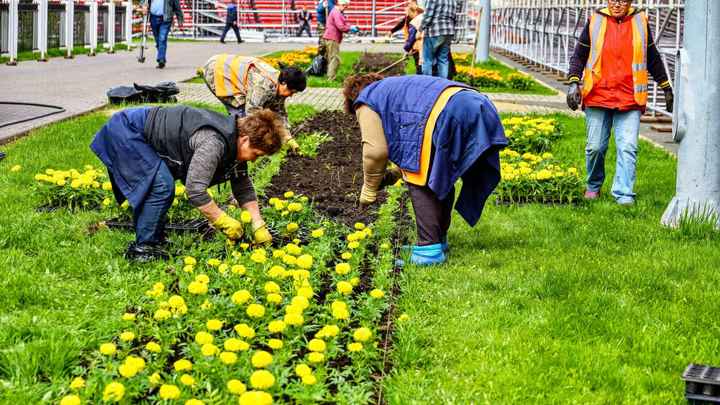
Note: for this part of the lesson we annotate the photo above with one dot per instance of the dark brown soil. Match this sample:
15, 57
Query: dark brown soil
332, 179
377, 62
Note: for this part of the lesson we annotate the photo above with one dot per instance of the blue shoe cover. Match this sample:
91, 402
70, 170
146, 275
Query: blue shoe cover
425, 255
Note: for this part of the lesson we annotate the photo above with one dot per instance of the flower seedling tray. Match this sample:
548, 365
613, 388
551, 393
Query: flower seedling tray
198, 225
702, 384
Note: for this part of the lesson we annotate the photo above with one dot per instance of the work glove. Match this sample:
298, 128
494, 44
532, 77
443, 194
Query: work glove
390, 177
231, 227
573, 96
367, 196
669, 99
354, 29
261, 235
293, 145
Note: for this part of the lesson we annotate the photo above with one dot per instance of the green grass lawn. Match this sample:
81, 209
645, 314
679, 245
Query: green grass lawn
57, 53
541, 304
63, 286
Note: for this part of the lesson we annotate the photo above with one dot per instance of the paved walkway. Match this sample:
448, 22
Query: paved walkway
79, 85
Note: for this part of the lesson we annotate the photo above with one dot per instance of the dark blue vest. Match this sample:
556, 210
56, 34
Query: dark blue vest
403, 104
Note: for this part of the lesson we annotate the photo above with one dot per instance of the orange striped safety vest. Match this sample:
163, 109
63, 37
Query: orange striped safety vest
598, 27
231, 73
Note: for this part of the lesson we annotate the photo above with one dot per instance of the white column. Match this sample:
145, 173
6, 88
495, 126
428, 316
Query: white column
128, 23
111, 27
482, 47
69, 23
93, 27
42, 28
12, 31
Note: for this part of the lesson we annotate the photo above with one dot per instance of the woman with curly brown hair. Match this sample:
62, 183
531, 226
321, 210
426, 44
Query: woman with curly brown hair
146, 149
436, 131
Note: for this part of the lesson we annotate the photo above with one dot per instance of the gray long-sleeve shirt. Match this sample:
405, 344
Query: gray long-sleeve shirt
208, 151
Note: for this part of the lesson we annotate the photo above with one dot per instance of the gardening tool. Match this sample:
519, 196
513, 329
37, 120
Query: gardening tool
143, 42
392, 65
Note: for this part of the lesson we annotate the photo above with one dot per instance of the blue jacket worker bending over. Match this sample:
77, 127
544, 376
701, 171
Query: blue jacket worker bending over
436, 131
146, 149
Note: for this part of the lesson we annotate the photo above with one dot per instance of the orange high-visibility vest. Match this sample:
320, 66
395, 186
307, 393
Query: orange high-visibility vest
231, 73
593, 69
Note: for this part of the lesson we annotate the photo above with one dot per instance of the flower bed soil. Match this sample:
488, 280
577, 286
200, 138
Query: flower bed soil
376, 62
332, 180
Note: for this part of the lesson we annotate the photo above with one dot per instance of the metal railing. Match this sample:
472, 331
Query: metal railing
545, 32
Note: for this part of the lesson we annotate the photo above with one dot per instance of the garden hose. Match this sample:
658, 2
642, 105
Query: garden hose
57, 109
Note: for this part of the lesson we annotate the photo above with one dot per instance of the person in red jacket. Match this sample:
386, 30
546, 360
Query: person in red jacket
613, 58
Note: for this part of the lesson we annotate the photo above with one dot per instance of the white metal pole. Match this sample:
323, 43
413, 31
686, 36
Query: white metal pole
698, 122
482, 50
12, 31
128, 23
69, 28
42, 29
93, 27
111, 27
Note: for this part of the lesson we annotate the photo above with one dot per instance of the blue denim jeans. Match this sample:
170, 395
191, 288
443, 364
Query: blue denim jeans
436, 51
150, 215
160, 29
626, 125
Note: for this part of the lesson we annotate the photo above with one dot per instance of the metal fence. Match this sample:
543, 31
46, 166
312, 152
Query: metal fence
545, 32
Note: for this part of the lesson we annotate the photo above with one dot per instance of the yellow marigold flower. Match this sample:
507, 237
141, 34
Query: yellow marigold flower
162, 314
197, 288
293, 309
341, 314
108, 349
342, 268
316, 345
169, 391
293, 249
351, 238
244, 246
255, 311
327, 331
202, 278
274, 298
377, 293
316, 357
214, 324
306, 292
70, 400
187, 379
289, 260
256, 398
213, 262
155, 378
309, 379
304, 261
62, 183
15, 168
176, 301
203, 338
206, 305
127, 370
276, 326
194, 401
294, 319
153, 347
238, 269
77, 383
362, 334
127, 316
359, 226
289, 194
228, 358
300, 301
241, 297
345, 288
106, 202
353, 245
302, 370
222, 268
275, 344
368, 232
183, 365
294, 207
318, 233
127, 336
355, 347
271, 287
107, 186
236, 387
261, 359
245, 331
235, 345
262, 379
403, 317
209, 350
114, 392
245, 217
355, 281
258, 256
300, 275
292, 227
346, 255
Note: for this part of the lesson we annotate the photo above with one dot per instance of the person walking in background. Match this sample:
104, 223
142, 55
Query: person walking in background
162, 13
404, 23
324, 7
231, 22
414, 38
337, 25
304, 18
613, 57
438, 28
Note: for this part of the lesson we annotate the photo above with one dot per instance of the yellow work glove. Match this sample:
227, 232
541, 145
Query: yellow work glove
293, 145
367, 195
231, 227
261, 235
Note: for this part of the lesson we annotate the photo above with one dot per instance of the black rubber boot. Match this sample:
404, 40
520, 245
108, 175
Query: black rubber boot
145, 252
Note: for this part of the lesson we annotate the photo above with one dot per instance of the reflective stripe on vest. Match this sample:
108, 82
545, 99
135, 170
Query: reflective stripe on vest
593, 69
229, 70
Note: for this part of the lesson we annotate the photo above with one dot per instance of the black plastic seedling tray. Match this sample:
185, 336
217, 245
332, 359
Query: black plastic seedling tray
199, 225
702, 384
